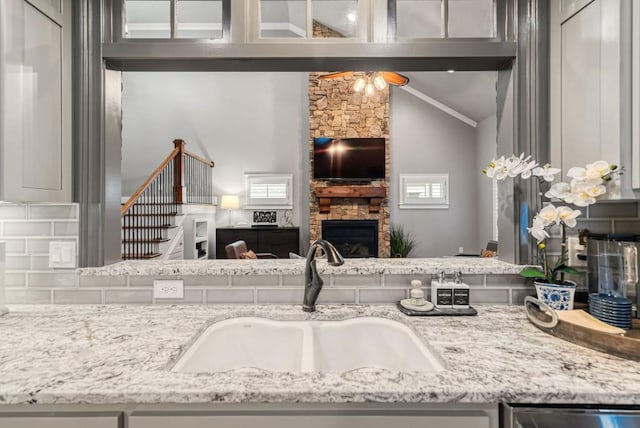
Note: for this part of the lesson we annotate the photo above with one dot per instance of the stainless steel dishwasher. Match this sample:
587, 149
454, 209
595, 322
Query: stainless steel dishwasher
552, 416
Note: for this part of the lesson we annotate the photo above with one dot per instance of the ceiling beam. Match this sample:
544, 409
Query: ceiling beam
437, 104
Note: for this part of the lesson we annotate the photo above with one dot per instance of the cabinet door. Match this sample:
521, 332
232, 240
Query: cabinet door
589, 88
49, 420
279, 242
336, 420
35, 111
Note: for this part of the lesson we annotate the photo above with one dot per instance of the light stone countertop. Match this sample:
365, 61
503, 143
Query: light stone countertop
370, 266
122, 354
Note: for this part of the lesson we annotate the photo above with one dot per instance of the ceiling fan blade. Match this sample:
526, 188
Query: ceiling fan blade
334, 75
394, 78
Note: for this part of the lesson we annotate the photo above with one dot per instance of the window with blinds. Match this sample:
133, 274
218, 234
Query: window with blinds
423, 191
268, 191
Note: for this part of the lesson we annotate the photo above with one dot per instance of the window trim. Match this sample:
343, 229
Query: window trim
285, 203
119, 25
406, 179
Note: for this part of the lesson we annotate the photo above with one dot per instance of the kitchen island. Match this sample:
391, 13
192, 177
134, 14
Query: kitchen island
123, 354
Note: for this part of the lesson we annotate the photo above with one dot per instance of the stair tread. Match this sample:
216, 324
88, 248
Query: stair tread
151, 215
145, 241
166, 226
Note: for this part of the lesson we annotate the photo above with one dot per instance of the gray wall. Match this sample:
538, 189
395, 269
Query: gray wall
427, 140
486, 147
244, 122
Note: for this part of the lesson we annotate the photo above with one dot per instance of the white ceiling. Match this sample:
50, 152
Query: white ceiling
472, 93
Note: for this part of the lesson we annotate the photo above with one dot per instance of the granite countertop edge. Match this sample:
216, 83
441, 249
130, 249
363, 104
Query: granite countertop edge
370, 266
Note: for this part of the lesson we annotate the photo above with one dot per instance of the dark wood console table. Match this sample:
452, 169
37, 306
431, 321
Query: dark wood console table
277, 240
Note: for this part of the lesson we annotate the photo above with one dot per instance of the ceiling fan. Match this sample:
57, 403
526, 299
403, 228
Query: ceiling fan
371, 81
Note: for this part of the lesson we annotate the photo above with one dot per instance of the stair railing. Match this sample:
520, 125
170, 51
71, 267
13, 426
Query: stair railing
182, 177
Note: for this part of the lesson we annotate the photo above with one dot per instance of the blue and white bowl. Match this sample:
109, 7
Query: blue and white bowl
556, 296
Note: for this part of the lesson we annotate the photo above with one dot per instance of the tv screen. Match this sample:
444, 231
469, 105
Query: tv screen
348, 159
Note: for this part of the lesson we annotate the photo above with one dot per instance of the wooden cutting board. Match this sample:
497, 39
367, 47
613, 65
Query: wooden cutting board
582, 329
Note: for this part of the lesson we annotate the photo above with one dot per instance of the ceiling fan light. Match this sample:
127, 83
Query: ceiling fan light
359, 84
379, 82
370, 89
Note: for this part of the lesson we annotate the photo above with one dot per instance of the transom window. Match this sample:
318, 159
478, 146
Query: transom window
424, 191
177, 19
268, 190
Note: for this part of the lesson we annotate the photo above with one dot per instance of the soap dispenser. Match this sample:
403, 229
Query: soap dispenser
460, 292
442, 292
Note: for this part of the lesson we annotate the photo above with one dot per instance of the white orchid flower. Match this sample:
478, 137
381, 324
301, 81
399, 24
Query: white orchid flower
577, 173
520, 166
548, 215
568, 216
597, 169
559, 191
546, 172
537, 229
496, 166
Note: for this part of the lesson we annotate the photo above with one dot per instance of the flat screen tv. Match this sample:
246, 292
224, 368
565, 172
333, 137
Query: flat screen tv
348, 159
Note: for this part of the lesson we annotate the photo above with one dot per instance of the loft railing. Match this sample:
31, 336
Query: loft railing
182, 177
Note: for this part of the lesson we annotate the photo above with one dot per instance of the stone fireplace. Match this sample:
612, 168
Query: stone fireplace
352, 238
337, 112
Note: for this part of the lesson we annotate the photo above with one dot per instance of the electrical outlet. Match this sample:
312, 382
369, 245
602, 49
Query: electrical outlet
574, 249
460, 250
168, 289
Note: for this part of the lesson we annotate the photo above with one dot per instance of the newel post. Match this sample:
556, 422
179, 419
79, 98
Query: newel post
178, 172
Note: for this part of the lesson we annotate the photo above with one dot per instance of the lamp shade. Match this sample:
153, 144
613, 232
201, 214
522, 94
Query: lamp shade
231, 202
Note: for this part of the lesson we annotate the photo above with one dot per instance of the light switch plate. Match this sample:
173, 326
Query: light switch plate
573, 250
62, 254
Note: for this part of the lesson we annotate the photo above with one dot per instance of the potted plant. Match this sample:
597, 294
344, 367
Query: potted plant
401, 242
586, 186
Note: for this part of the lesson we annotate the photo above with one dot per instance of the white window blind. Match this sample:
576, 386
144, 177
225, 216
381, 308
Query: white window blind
268, 191
423, 191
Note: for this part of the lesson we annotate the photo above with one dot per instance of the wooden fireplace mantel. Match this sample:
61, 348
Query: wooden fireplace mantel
375, 195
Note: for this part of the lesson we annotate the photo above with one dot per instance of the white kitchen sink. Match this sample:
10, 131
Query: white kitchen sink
307, 346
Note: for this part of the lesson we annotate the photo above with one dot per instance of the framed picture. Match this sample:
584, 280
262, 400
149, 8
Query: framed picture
264, 217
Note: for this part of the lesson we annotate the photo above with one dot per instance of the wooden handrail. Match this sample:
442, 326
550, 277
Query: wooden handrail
148, 181
200, 158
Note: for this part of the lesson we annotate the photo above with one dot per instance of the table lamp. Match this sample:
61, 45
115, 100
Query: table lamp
230, 202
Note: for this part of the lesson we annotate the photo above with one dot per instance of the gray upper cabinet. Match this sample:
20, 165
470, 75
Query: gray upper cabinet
35, 107
589, 93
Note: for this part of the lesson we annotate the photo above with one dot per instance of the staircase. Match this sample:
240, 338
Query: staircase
151, 219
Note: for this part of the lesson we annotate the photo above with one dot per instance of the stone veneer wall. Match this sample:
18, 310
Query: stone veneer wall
321, 31
335, 112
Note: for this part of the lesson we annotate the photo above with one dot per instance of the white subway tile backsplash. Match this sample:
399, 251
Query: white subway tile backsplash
27, 296
489, 295
595, 226
15, 279
128, 296
87, 297
293, 280
280, 295
230, 295
192, 296
404, 280
382, 295
26, 228
102, 281
17, 262
65, 228
13, 212
15, 245
53, 211
356, 280
336, 296
518, 294
40, 262
62, 279
505, 280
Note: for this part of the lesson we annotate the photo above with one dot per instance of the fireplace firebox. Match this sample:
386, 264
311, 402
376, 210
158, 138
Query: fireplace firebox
353, 238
